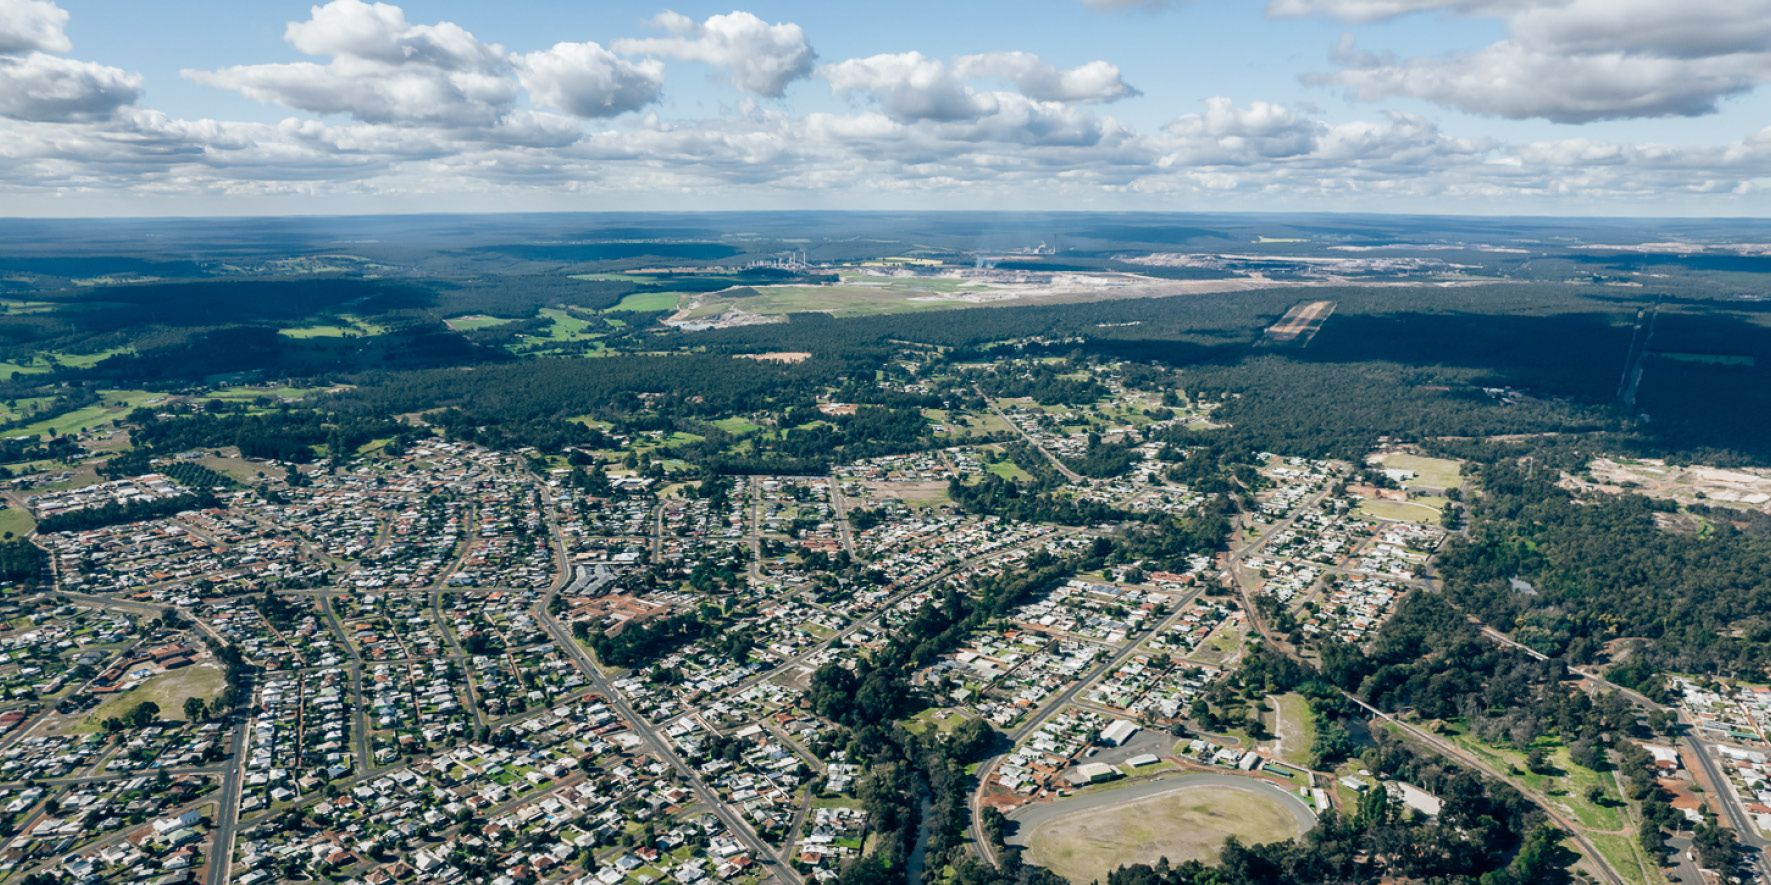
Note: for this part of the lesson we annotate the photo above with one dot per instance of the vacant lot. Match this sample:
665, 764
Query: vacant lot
1436, 472
168, 690
648, 301
1402, 511
1189, 822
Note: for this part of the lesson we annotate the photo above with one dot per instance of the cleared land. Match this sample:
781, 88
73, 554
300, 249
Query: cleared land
475, 321
1442, 473
1401, 511
1188, 821
648, 301
1686, 484
346, 327
1301, 323
167, 690
1295, 726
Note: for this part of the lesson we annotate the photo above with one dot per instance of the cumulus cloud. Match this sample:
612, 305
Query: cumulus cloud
761, 58
46, 88
586, 80
431, 109
36, 86
1096, 81
32, 26
1689, 29
1573, 61
383, 70
910, 86
1511, 80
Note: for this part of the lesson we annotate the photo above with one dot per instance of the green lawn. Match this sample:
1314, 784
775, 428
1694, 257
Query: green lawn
113, 404
1010, 470
44, 362
737, 424
16, 521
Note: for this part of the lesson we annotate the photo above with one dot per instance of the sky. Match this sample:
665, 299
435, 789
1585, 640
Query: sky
1538, 107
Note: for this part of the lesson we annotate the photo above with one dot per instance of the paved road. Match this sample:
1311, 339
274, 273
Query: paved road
227, 808
1756, 846
585, 583
1069, 474
1433, 741
1053, 705
359, 718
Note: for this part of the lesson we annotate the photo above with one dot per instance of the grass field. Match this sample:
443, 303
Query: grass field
1010, 470
1223, 645
251, 393
476, 321
648, 301
1437, 472
43, 362
113, 404
348, 326
1626, 857
1189, 823
1410, 511
1566, 786
1296, 726
943, 720
737, 424
242, 470
16, 522
168, 690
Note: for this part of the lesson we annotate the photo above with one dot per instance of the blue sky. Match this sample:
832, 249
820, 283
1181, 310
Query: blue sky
1635, 107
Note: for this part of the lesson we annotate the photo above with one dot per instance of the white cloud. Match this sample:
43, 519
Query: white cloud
586, 80
1511, 80
32, 26
1569, 61
1688, 29
383, 70
36, 86
910, 86
1097, 81
431, 110
47, 88
762, 58
380, 32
